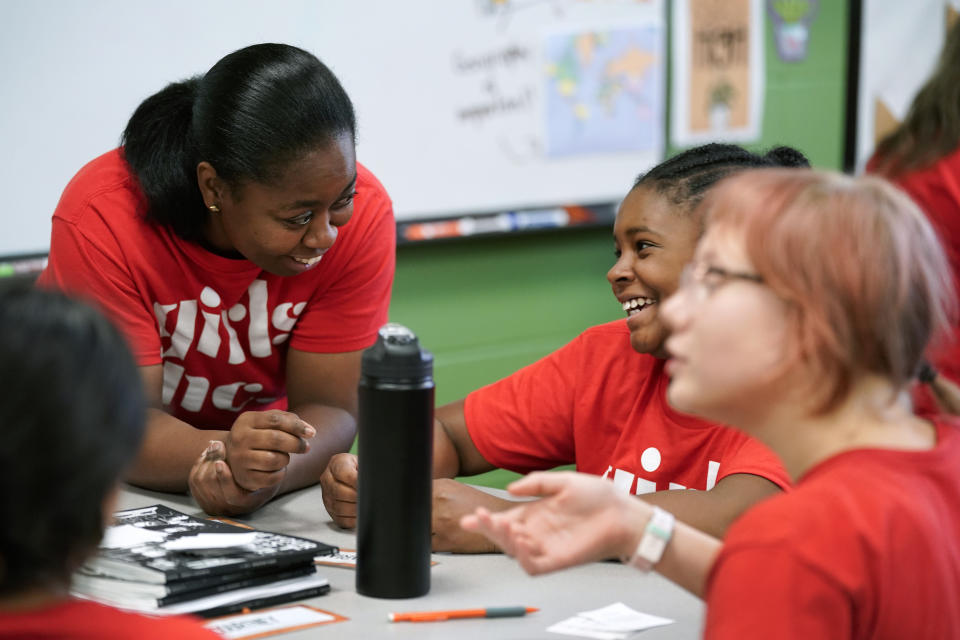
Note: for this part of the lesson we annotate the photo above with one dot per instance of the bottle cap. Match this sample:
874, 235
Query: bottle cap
397, 356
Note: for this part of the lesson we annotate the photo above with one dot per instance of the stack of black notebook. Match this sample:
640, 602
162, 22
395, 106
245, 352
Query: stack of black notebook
159, 560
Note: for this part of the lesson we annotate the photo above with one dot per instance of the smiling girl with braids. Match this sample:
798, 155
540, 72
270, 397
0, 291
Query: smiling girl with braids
597, 402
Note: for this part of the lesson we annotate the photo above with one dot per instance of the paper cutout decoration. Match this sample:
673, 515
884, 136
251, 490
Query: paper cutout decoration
791, 26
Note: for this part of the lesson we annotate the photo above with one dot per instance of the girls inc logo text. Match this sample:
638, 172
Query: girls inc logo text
650, 460
256, 342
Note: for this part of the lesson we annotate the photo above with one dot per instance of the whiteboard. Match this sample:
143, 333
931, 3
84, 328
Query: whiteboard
463, 106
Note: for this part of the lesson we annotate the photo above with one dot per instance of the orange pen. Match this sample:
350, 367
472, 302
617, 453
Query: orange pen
436, 616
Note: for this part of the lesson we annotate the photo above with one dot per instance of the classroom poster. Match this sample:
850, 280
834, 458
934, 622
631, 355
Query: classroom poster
718, 71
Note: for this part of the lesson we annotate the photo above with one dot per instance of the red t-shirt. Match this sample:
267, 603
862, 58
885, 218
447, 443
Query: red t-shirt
602, 405
84, 620
220, 327
936, 190
867, 545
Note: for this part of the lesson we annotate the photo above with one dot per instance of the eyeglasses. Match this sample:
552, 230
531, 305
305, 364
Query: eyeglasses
702, 279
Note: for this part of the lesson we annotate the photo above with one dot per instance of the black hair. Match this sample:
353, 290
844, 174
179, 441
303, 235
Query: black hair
686, 177
253, 112
72, 413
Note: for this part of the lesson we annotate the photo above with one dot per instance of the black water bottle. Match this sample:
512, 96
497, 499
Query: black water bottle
396, 464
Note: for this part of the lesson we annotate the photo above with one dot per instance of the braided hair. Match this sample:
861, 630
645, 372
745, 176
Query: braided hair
686, 177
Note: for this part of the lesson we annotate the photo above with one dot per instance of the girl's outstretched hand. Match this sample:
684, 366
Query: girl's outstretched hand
580, 518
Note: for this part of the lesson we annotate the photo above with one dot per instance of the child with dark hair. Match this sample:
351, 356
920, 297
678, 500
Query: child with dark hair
597, 402
202, 238
72, 413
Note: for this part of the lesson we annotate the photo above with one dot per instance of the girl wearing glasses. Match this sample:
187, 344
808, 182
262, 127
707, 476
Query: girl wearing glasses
804, 316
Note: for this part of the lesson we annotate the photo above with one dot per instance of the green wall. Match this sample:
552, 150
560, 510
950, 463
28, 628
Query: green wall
489, 306
805, 103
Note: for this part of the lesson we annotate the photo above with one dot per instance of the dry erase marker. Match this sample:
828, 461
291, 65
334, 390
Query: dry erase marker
436, 616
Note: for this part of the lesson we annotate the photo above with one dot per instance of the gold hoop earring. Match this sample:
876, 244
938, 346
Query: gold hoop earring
214, 208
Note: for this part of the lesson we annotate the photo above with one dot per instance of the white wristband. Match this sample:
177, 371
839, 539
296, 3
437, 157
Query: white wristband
656, 535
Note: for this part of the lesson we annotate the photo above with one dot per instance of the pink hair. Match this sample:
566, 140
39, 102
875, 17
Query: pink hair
860, 267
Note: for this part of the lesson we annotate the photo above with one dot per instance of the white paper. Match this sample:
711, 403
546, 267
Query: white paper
343, 558
582, 627
269, 621
608, 623
126, 536
211, 541
620, 617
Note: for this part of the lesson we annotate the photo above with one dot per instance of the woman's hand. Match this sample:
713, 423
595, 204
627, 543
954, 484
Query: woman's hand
581, 518
451, 501
213, 487
338, 485
259, 445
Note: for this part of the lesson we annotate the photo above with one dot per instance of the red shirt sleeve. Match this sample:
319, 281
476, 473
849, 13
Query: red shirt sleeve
755, 458
89, 264
346, 315
767, 593
525, 421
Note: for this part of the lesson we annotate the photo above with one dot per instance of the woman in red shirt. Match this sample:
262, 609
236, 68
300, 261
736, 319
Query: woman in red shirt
247, 257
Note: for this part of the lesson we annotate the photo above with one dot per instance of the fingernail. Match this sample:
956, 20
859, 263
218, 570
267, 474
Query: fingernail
309, 432
219, 466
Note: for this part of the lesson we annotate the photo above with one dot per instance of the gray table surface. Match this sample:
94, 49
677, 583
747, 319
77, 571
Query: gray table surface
459, 582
